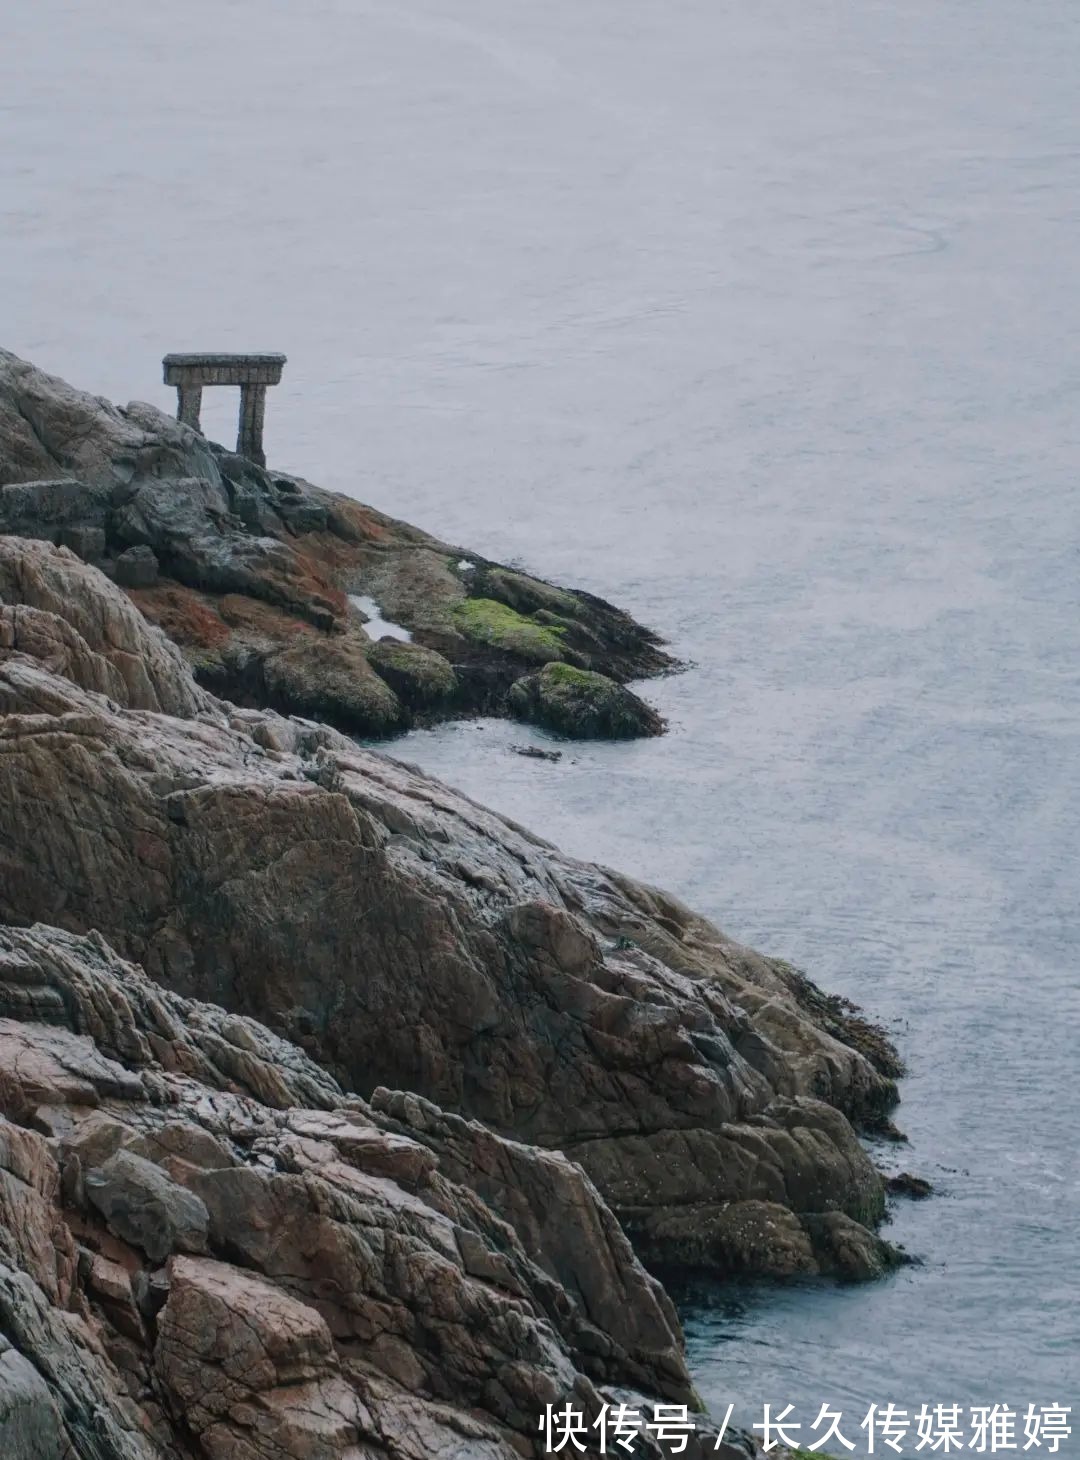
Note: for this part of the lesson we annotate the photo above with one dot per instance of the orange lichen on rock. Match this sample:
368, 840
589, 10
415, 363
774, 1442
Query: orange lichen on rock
189, 617
252, 616
353, 521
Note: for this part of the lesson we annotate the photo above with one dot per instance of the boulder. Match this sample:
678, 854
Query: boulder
136, 567
906, 1184
331, 679
251, 1368
582, 704
144, 1207
422, 679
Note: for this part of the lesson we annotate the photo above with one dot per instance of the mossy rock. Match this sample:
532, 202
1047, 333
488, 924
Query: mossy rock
330, 679
522, 593
498, 627
583, 704
421, 678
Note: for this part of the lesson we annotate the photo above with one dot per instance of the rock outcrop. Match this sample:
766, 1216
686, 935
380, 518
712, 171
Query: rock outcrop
254, 573
406, 937
208, 1250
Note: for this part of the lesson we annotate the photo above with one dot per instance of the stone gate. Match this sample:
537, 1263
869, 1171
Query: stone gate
252, 373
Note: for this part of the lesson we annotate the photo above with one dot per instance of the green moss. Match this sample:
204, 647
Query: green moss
581, 679
525, 594
488, 622
557, 620
421, 677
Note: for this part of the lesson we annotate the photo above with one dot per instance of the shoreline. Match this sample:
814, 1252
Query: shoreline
528, 1019
266, 582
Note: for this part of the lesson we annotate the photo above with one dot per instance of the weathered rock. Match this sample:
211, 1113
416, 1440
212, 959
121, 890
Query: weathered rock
387, 1281
252, 1369
333, 681
87, 542
845, 1249
754, 1236
60, 1395
30, 1423
141, 1205
136, 567
62, 613
408, 938
206, 1248
534, 752
53, 508
287, 554
50, 430
423, 680
905, 1184
580, 703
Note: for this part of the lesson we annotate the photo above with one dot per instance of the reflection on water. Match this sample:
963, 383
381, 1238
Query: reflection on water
762, 321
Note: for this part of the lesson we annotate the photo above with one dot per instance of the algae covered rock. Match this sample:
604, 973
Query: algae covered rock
581, 703
497, 626
330, 679
523, 593
421, 678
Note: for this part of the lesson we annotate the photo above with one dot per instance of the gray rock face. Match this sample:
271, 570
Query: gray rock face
30, 1424
52, 508
408, 938
49, 430
146, 1209
136, 567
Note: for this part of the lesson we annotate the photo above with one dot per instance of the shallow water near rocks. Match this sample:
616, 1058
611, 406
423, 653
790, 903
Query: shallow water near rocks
763, 322
375, 626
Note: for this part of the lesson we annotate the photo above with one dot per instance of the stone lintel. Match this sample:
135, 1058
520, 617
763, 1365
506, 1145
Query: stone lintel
222, 369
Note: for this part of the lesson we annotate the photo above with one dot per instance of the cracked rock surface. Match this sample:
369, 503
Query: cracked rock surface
335, 1277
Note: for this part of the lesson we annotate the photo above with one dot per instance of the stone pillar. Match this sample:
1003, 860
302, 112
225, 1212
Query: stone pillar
189, 404
249, 440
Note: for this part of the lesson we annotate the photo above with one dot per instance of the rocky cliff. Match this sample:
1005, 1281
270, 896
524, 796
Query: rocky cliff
208, 1248
404, 936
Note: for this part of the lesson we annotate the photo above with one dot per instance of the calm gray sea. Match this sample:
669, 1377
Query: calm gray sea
764, 321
